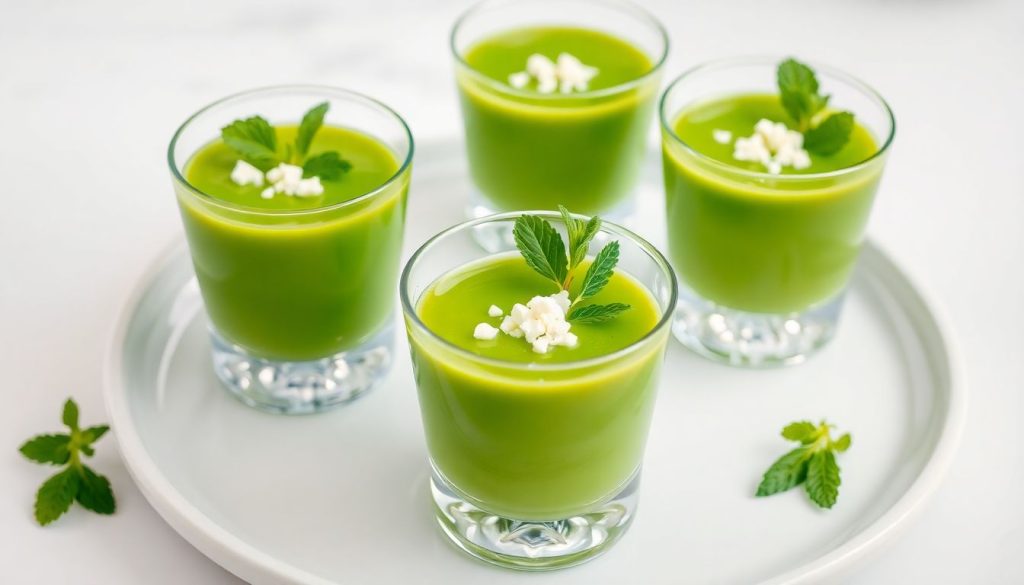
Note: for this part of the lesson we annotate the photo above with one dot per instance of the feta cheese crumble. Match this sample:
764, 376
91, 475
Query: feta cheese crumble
245, 174
485, 331
566, 74
541, 322
773, 145
721, 136
284, 178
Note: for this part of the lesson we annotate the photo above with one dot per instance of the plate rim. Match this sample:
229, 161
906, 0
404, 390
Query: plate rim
252, 564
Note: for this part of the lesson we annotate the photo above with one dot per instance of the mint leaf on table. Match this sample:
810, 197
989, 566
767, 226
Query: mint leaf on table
51, 449
823, 478
596, 313
311, 122
541, 247
329, 166
830, 136
787, 472
254, 139
76, 481
803, 101
812, 464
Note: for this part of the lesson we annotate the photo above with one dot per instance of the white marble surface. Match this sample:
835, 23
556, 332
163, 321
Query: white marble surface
90, 91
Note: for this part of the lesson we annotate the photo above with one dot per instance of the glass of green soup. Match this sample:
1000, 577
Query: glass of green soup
557, 98
293, 201
536, 457
764, 249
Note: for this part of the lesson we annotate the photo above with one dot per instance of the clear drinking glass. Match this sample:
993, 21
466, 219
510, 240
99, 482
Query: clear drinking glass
299, 301
529, 150
763, 260
535, 465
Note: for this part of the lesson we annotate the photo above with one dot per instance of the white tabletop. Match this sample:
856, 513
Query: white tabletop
90, 93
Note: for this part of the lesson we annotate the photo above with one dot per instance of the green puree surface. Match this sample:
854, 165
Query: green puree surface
504, 54
297, 286
533, 151
739, 114
209, 170
455, 304
760, 243
525, 443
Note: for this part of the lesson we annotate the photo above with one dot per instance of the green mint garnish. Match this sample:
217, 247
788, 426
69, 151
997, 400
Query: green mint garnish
813, 464
800, 96
596, 313
329, 166
76, 481
544, 250
255, 141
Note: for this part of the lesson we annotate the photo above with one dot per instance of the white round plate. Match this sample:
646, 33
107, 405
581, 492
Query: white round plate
342, 497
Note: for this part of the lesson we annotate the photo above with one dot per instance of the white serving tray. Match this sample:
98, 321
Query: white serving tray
342, 497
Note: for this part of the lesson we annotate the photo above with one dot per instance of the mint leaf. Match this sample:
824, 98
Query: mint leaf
311, 122
596, 313
823, 479
56, 495
830, 136
788, 471
813, 463
798, 91
92, 434
802, 431
541, 247
600, 271
329, 166
70, 415
94, 492
842, 443
580, 234
47, 449
75, 481
254, 139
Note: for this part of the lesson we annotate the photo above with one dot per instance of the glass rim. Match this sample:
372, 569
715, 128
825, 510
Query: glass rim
290, 88
728, 62
556, 97
652, 252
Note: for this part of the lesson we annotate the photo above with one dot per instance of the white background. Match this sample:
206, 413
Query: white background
90, 92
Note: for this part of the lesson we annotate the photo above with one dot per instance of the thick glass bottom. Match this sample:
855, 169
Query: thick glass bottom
741, 338
306, 387
497, 237
529, 545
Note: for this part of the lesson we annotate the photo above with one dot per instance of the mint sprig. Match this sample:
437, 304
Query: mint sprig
76, 482
812, 464
255, 141
800, 95
546, 253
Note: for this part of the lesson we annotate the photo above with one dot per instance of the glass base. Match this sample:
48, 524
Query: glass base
533, 545
285, 387
496, 238
741, 338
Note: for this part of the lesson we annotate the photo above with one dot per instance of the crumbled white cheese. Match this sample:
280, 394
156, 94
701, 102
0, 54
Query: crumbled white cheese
287, 179
495, 311
773, 145
245, 174
485, 331
541, 322
722, 136
566, 75
519, 80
